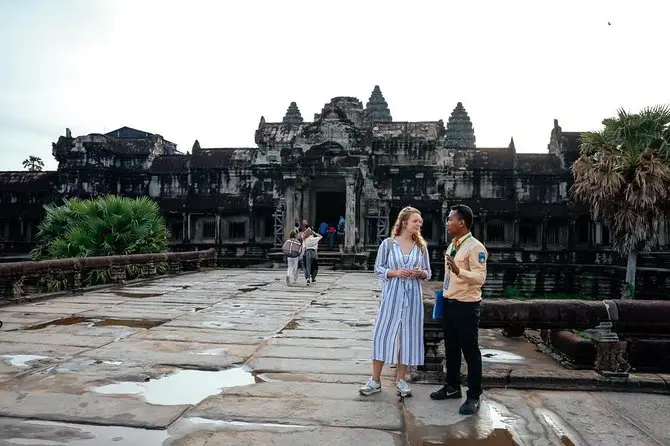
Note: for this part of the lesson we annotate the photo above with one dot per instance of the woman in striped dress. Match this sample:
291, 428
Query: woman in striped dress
402, 262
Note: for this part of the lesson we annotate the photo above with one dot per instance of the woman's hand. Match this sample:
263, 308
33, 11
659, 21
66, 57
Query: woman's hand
418, 273
400, 273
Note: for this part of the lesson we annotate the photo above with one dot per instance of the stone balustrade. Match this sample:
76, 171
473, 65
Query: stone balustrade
17, 277
615, 335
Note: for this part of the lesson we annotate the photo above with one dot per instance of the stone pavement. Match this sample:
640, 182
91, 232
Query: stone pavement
237, 357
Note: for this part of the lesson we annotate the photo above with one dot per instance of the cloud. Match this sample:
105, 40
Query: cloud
208, 70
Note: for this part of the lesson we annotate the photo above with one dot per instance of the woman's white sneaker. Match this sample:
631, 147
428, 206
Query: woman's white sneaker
403, 388
370, 387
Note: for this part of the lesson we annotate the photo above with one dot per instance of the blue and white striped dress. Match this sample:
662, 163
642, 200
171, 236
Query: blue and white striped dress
400, 316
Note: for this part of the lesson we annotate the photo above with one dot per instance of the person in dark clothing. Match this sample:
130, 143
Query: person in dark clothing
465, 274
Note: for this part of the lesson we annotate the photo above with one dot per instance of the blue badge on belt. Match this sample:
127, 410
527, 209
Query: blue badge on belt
481, 257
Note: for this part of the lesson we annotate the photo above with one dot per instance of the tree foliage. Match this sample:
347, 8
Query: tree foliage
33, 164
623, 173
102, 226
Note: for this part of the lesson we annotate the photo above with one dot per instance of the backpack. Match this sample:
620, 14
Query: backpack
291, 248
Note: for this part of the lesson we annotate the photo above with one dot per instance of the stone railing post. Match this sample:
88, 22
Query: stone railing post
117, 273
16, 290
611, 353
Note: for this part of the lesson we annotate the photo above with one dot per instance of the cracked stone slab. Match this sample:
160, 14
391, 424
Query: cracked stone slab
365, 335
203, 335
175, 353
311, 436
310, 366
313, 352
62, 339
337, 413
88, 408
323, 343
312, 391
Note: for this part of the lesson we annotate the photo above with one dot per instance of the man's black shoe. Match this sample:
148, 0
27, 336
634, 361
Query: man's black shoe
469, 407
446, 392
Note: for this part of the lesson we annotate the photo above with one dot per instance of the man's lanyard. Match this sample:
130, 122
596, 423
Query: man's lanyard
454, 250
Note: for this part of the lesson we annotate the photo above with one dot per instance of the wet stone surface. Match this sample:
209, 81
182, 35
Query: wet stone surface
237, 357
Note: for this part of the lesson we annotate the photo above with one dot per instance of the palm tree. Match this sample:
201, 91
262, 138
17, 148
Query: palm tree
102, 226
33, 163
623, 174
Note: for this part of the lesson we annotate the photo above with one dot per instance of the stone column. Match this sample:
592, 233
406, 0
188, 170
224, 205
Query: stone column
543, 232
289, 195
485, 230
299, 209
598, 233
188, 236
252, 225
572, 232
516, 234
445, 214
217, 230
350, 214
184, 227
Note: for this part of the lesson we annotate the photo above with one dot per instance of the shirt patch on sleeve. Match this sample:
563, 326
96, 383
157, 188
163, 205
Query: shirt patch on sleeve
481, 257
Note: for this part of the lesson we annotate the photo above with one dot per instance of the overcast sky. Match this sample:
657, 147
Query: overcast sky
208, 70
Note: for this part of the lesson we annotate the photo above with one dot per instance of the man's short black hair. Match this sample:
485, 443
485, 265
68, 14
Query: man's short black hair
465, 212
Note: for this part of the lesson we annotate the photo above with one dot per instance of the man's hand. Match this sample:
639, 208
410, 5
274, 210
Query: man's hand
451, 264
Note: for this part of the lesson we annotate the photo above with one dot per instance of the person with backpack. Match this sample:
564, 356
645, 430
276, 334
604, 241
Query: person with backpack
293, 251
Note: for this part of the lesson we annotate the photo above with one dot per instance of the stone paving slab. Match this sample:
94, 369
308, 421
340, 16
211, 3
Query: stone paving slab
364, 335
66, 339
310, 366
203, 335
307, 375
82, 373
297, 437
312, 352
312, 390
87, 408
323, 343
337, 413
49, 307
175, 353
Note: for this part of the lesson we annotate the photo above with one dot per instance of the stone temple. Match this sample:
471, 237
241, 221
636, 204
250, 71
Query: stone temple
355, 161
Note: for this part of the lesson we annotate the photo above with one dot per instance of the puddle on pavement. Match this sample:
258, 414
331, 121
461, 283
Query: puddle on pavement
94, 322
23, 361
488, 428
182, 387
138, 295
218, 424
49, 433
501, 356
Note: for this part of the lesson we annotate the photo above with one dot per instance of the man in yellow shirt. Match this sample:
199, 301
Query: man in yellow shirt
465, 273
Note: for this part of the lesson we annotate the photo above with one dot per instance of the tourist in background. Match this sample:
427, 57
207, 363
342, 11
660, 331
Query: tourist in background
292, 249
465, 273
331, 236
402, 262
310, 244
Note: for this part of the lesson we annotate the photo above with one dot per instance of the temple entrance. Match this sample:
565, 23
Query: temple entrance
329, 207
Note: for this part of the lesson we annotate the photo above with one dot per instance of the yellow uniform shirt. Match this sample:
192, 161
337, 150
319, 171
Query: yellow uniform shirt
470, 257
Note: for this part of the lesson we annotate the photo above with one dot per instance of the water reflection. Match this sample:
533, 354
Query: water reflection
183, 386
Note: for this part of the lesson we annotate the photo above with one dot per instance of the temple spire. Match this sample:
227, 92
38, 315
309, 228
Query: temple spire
511, 144
460, 134
293, 115
196, 147
377, 109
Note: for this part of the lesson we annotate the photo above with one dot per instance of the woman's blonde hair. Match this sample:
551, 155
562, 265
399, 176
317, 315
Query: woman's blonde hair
403, 217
